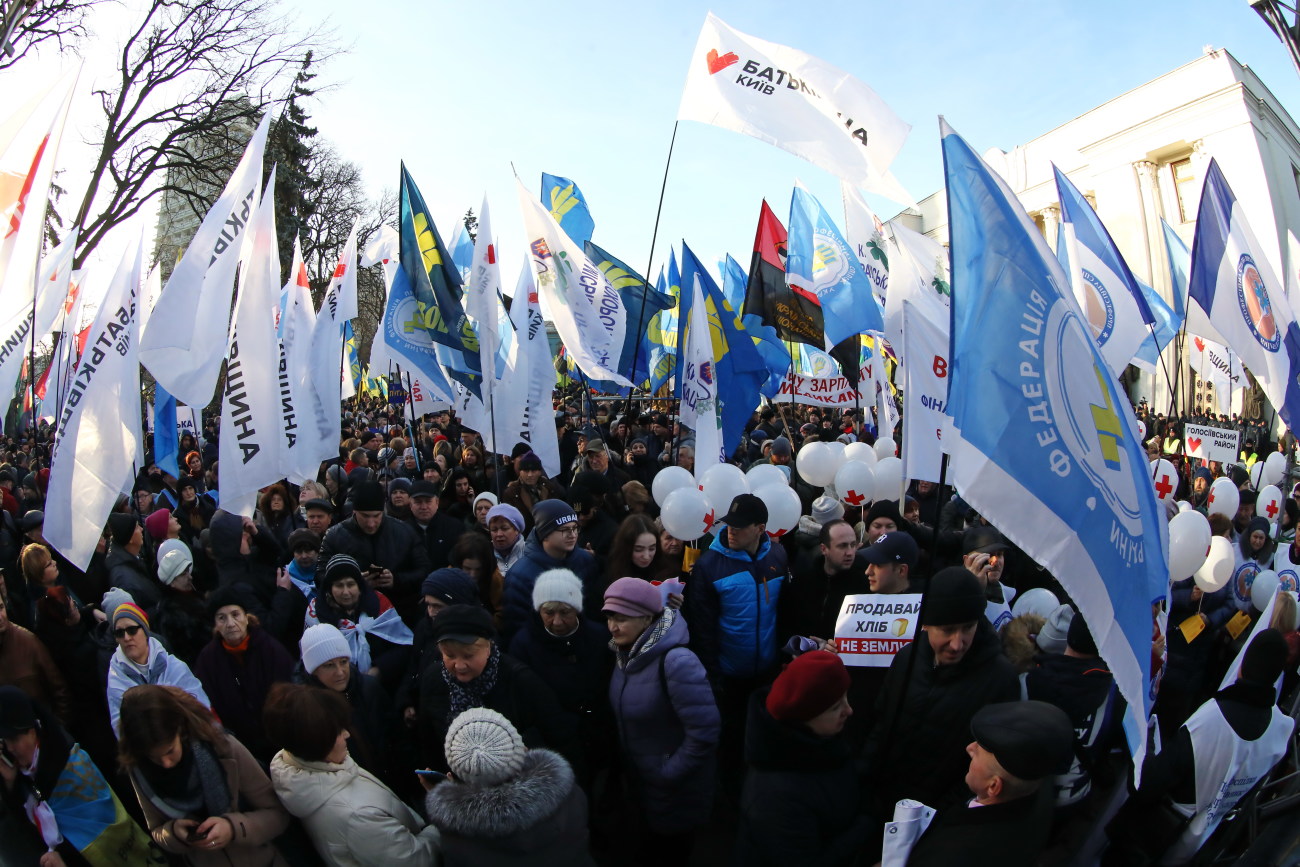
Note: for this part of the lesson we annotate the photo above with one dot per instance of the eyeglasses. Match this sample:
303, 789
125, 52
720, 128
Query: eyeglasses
124, 631
568, 531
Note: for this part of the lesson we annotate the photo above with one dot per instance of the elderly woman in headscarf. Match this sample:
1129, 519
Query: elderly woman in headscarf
378, 639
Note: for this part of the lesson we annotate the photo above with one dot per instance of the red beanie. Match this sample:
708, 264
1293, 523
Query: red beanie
156, 524
808, 687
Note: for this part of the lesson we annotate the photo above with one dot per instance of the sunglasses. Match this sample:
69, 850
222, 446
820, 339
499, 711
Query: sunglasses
124, 631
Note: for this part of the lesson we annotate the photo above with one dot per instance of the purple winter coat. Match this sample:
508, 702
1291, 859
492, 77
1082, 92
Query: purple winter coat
668, 726
238, 690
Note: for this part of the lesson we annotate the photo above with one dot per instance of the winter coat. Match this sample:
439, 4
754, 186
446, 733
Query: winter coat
437, 538
1010, 834
353, 819
576, 667
537, 818
517, 599
925, 757
524, 498
278, 609
164, 670
127, 571
668, 726
732, 602
395, 547
800, 800
255, 813
371, 709
238, 688
519, 695
181, 620
75, 653
26, 664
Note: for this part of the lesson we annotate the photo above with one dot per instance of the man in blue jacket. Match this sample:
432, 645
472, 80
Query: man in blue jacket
553, 544
732, 602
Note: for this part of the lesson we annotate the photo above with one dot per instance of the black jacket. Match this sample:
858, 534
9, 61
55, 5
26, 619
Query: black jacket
127, 571
924, 755
1009, 835
437, 538
800, 803
395, 547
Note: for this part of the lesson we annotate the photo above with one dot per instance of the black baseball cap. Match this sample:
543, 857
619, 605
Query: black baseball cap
983, 540
421, 488
746, 511
318, 503
892, 547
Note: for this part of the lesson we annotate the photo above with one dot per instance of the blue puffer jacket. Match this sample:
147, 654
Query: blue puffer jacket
517, 597
668, 727
731, 604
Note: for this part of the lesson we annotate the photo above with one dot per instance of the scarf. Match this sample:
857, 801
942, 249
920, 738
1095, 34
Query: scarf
648, 639
194, 788
388, 626
467, 695
37, 808
238, 650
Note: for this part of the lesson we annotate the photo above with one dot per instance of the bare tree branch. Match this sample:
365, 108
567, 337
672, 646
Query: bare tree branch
31, 23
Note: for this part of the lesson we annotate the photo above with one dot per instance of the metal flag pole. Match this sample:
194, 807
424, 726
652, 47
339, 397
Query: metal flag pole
654, 237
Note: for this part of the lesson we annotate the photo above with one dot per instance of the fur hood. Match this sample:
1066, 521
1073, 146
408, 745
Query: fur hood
518, 804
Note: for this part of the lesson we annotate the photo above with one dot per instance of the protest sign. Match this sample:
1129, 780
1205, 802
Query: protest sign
1211, 443
872, 627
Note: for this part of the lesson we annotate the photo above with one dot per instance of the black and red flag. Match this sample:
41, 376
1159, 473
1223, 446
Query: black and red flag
796, 316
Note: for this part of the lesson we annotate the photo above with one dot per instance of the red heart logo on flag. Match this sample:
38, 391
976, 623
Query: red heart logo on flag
1194, 443
718, 62
1200, 344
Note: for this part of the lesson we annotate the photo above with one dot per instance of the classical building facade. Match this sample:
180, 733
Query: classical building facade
1141, 157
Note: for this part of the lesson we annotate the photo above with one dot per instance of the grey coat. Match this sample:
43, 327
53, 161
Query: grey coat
668, 726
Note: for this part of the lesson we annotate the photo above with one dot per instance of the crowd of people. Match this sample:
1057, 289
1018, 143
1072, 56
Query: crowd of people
437, 654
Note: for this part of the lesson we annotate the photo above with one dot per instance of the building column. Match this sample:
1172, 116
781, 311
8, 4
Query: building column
1051, 225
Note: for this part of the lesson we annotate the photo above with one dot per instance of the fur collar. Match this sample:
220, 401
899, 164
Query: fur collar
536, 793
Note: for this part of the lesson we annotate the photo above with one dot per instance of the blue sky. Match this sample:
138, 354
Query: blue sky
590, 91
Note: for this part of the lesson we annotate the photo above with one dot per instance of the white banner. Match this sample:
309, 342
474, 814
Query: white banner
792, 100
873, 627
327, 368
925, 395
188, 327
99, 429
699, 406
827, 391
314, 441
1211, 443
529, 412
17, 335
587, 311
252, 411
863, 229
1218, 365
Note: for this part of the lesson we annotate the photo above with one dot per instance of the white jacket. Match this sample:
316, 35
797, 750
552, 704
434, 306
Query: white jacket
353, 819
164, 670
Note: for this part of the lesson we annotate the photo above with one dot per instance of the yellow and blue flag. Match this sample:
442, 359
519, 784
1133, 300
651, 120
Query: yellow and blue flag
641, 302
435, 282
662, 332
568, 207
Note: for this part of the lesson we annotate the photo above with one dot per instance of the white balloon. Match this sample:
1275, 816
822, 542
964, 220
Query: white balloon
837, 453
722, 483
783, 508
855, 483
1269, 504
1165, 478
765, 474
1184, 506
1216, 571
1274, 468
670, 479
861, 452
1263, 588
816, 463
1189, 544
1038, 600
686, 513
1257, 475
889, 479
886, 447
1224, 498
1142, 430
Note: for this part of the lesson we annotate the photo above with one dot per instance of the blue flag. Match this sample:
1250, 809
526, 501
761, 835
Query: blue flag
166, 440
435, 284
822, 266
641, 303
462, 252
567, 205
408, 341
1046, 449
734, 283
1166, 328
740, 368
1180, 264
771, 348
662, 335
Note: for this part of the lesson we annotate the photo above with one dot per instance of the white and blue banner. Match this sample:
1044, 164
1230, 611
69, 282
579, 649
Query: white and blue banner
700, 405
1233, 283
1046, 451
1105, 288
822, 266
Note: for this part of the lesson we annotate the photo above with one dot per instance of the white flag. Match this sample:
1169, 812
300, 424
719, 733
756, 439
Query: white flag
17, 333
886, 409
252, 419
327, 367
1218, 365
864, 231
188, 327
525, 411
925, 395
700, 409
792, 100
587, 311
99, 427
481, 297
303, 457
918, 276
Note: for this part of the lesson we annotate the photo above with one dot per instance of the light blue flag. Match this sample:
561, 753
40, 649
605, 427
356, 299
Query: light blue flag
1180, 264
1166, 328
166, 440
822, 266
1046, 449
568, 206
734, 282
662, 335
462, 251
408, 340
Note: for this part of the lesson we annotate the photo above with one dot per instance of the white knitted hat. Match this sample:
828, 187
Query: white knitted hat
483, 748
557, 585
321, 643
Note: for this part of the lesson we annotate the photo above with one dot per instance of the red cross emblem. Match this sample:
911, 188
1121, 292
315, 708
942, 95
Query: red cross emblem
1163, 487
853, 498
1271, 508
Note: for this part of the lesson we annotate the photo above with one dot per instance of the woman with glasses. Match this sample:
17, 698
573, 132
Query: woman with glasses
140, 659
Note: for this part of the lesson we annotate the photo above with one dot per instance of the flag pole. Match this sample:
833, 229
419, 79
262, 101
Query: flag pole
654, 237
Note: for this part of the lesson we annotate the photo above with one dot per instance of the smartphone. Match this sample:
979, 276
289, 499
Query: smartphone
199, 835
